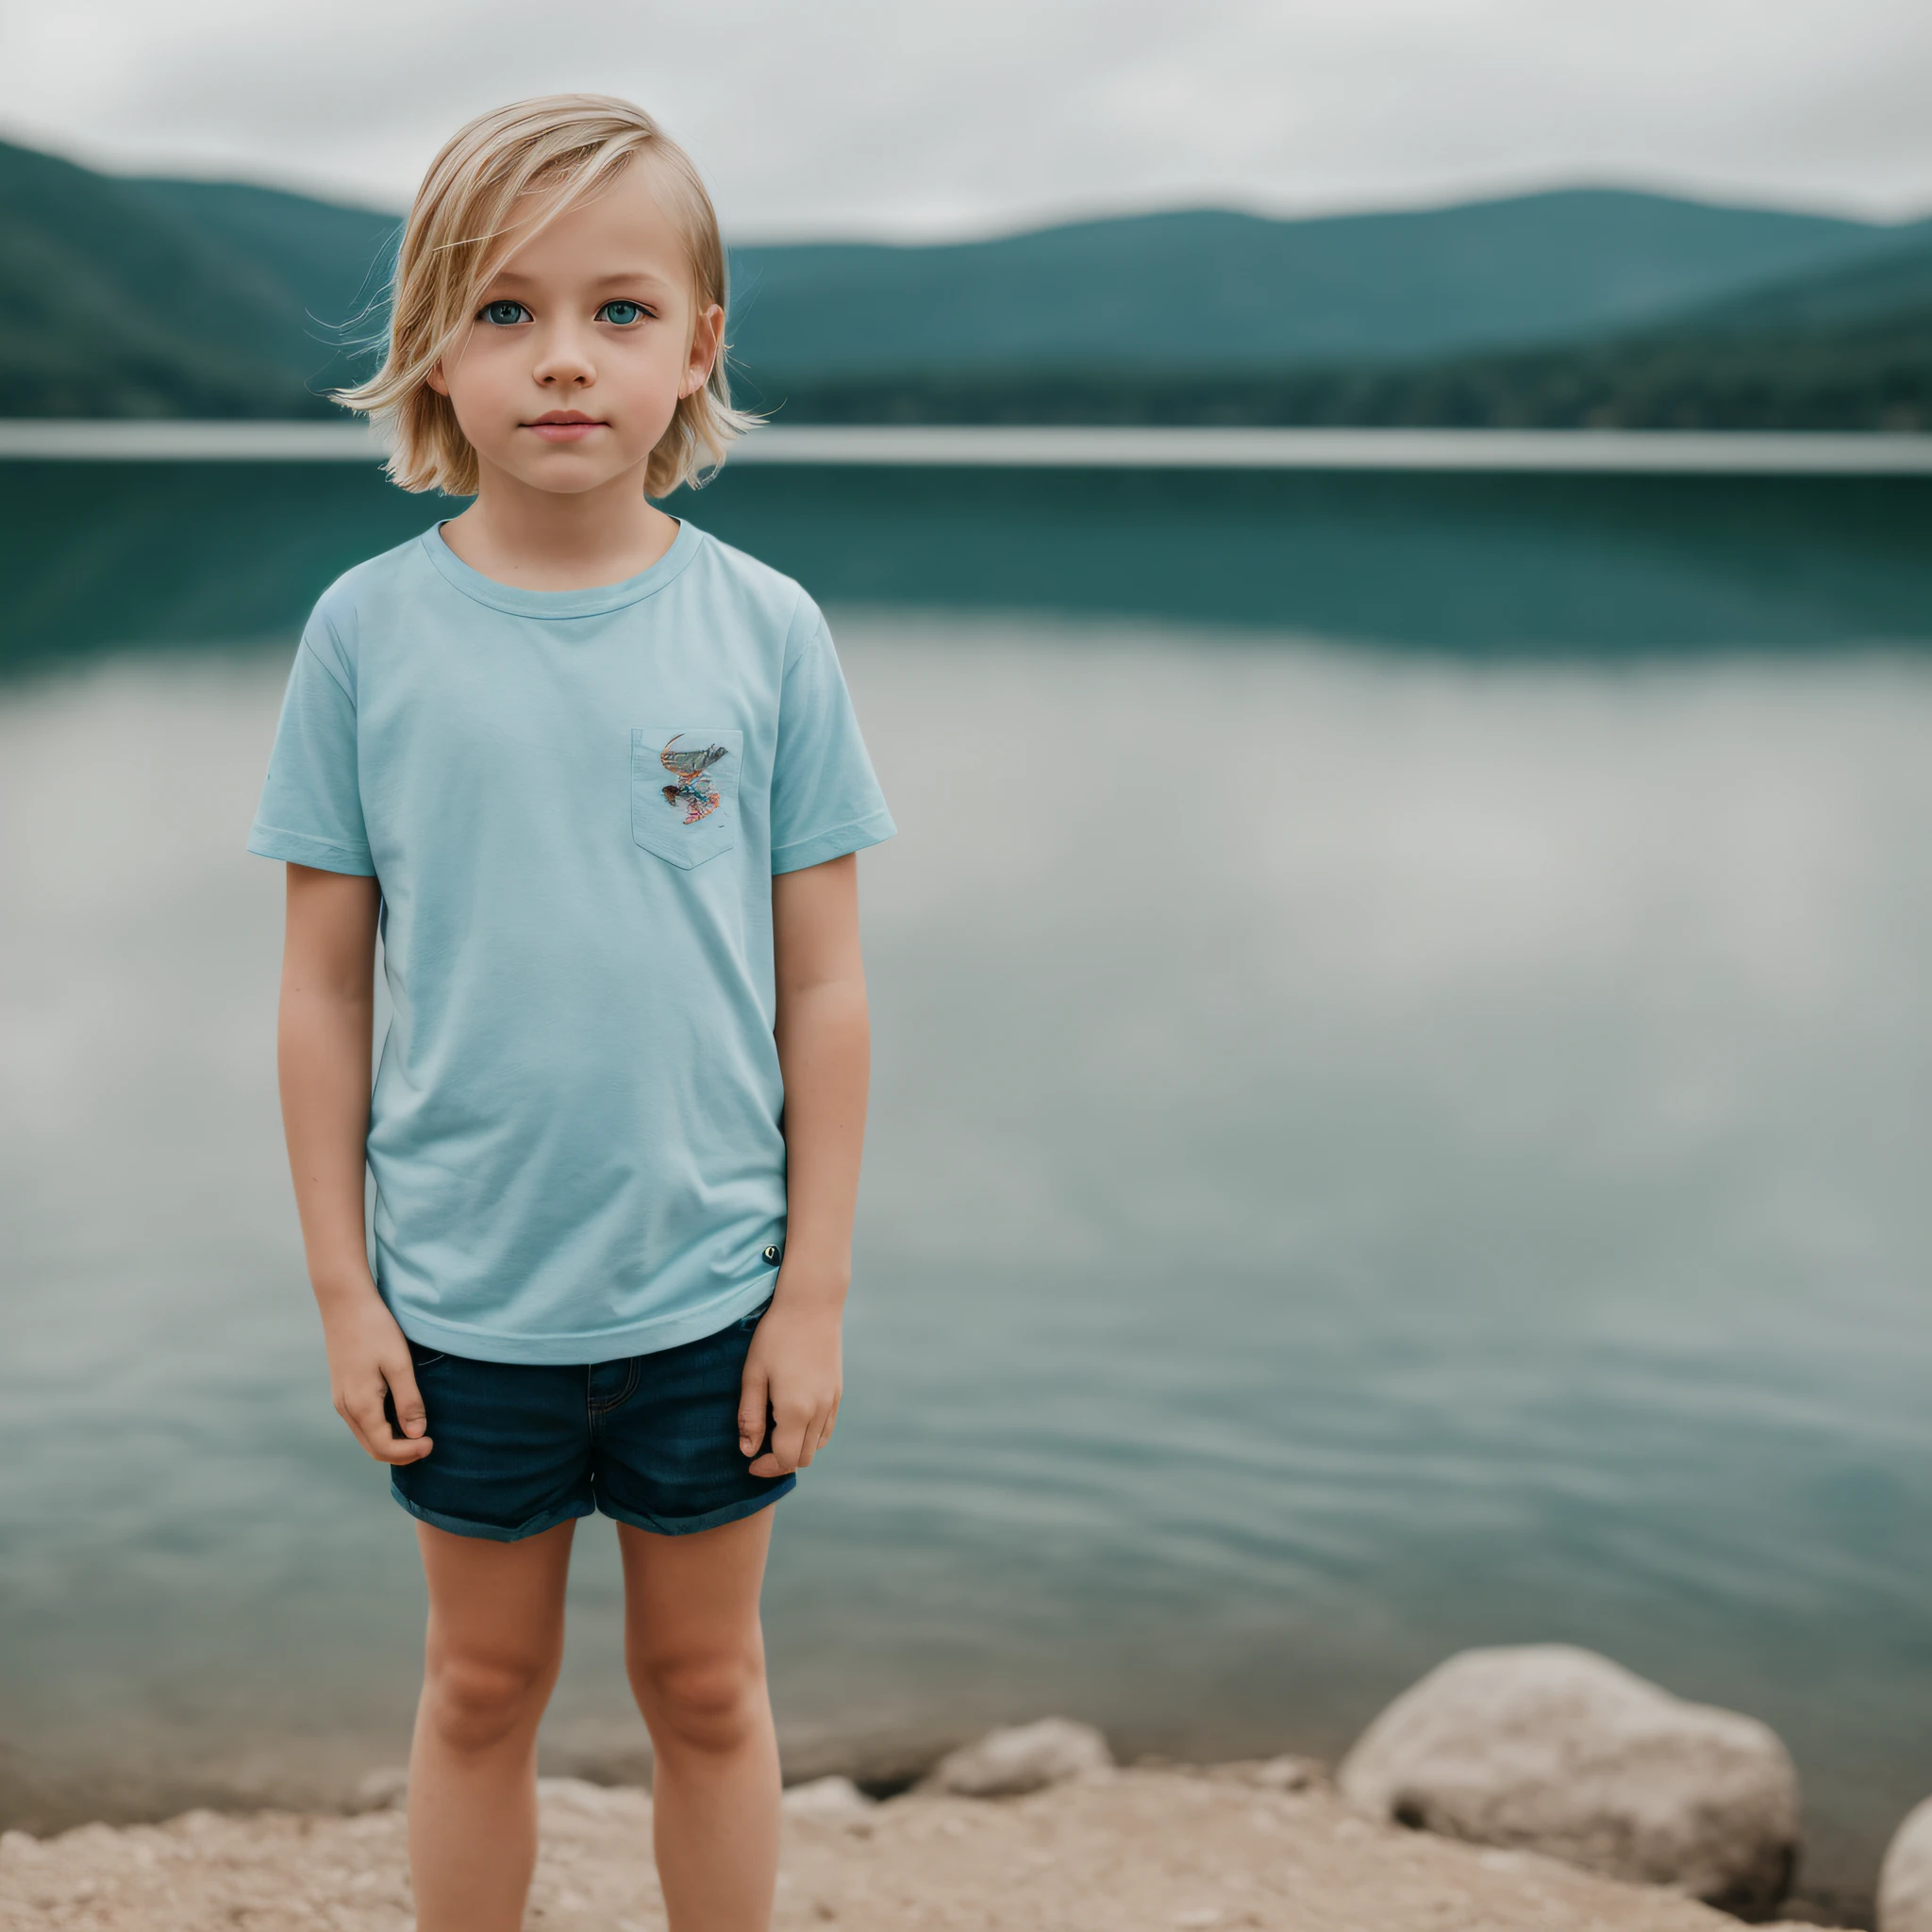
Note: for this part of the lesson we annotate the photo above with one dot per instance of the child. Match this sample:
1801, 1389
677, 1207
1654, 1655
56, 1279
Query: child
595, 779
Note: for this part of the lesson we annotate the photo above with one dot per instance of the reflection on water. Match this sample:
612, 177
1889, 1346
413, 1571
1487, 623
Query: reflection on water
1374, 1152
101, 555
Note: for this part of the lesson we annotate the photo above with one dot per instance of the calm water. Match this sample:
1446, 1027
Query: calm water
1402, 1106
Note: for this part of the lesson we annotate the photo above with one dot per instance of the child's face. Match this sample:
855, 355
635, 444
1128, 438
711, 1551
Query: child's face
592, 321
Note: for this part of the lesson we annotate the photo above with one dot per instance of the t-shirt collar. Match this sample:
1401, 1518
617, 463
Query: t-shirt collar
594, 602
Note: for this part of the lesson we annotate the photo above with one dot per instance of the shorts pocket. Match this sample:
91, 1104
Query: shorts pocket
683, 790
420, 1356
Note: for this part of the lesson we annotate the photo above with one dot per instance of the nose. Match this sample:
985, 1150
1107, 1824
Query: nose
563, 358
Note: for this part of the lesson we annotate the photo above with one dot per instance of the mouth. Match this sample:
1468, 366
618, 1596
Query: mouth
564, 426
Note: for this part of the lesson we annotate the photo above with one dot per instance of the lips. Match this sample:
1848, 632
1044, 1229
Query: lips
565, 425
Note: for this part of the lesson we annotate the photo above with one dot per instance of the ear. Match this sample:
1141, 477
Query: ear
708, 334
437, 380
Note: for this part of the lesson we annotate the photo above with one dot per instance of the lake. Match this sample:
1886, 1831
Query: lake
1402, 1101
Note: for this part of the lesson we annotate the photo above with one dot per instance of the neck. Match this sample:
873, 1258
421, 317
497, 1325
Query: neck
548, 539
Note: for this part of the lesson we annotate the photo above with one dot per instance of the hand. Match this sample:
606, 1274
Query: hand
793, 1371
368, 1360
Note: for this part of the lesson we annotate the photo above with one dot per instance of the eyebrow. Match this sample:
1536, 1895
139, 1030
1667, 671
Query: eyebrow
615, 279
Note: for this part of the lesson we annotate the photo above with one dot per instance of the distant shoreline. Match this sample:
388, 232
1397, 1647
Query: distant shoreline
1627, 452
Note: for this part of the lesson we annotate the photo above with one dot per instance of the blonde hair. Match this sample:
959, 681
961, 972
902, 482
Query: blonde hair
570, 147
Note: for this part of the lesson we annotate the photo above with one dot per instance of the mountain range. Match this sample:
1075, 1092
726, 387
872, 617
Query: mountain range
156, 297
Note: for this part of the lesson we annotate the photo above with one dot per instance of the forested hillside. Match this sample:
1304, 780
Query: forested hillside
123, 297
129, 298
1850, 349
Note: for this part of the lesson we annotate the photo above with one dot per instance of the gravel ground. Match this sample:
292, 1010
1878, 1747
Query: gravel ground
1140, 1850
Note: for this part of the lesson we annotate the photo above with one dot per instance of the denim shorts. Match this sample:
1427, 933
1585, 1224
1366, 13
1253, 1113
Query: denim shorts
651, 1439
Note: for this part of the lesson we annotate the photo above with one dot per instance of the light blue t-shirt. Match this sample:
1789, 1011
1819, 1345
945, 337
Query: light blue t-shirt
574, 802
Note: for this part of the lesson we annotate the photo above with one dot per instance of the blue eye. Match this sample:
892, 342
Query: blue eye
504, 314
622, 313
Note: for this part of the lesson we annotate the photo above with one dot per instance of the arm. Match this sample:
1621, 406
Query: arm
323, 1043
825, 1052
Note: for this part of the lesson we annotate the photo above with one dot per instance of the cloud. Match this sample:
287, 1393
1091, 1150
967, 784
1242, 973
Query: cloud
853, 116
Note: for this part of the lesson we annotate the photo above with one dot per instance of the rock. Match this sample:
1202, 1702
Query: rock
1023, 1757
1561, 1750
825, 1798
1905, 1880
383, 1790
1287, 1772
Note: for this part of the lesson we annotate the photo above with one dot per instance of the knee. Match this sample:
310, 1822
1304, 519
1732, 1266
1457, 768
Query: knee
707, 1700
475, 1702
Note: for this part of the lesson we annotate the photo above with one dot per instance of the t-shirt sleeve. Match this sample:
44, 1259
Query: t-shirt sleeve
826, 801
311, 802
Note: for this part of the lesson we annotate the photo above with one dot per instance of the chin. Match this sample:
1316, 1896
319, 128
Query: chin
574, 483
566, 472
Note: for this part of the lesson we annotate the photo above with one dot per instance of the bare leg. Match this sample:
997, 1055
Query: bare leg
697, 1666
496, 1641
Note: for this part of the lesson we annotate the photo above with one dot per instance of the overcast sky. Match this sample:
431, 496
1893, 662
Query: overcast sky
932, 117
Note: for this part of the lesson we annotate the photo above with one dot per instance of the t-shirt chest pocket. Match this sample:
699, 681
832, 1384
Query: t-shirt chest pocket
683, 790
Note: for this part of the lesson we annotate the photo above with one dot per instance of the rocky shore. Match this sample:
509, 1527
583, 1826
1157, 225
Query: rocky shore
1537, 1786
1139, 1850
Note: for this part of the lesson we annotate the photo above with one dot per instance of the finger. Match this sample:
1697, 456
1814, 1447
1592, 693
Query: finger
404, 1397
371, 1429
754, 1400
788, 1444
812, 1434
395, 1449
